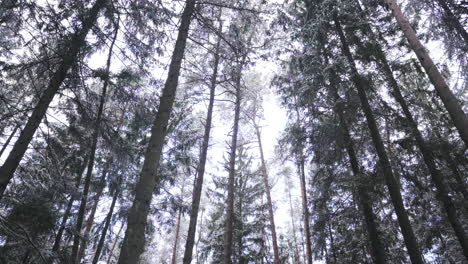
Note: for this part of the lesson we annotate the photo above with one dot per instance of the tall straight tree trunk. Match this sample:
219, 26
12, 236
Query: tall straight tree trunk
90, 221
66, 215
436, 176
111, 253
377, 250
268, 195
69, 54
229, 229
7, 142
449, 100
305, 208
134, 240
102, 239
293, 221
428, 156
176, 238
392, 185
453, 20
92, 155
197, 189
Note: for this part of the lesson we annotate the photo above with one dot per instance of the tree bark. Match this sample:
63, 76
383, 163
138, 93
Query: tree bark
111, 253
449, 100
176, 239
297, 259
69, 56
66, 215
377, 250
102, 239
229, 229
268, 195
92, 155
197, 189
7, 142
392, 185
305, 209
134, 240
436, 176
90, 221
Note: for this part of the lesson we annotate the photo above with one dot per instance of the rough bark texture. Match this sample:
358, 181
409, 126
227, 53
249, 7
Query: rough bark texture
134, 240
449, 100
176, 239
69, 53
268, 195
102, 239
197, 189
392, 185
229, 230
377, 250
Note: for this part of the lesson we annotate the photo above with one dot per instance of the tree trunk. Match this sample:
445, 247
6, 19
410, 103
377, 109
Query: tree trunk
66, 215
197, 189
392, 185
305, 208
90, 221
454, 168
111, 253
448, 98
92, 155
436, 176
7, 142
176, 239
268, 195
453, 21
102, 239
229, 230
134, 240
69, 54
296, 249
377, 250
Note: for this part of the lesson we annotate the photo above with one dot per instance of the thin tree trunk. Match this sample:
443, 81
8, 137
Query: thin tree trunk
449, 100
305, 209
268, 195
111, 253
332, 243
90, 221
7, 142
102, 239
392, 185
66, 215
134, 240
377, 250
92, 155
69, 53
176, 239
298, 258
229, 229
453, 21
197, 189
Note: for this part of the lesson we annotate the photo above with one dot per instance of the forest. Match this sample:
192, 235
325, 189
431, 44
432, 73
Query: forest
233, 132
